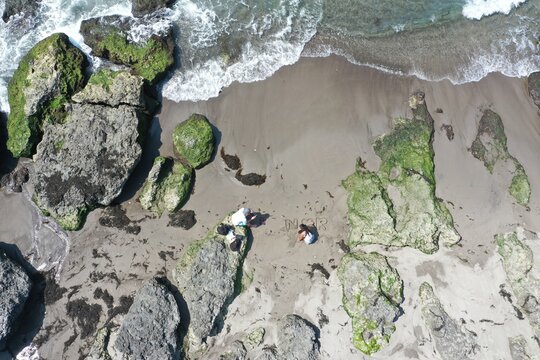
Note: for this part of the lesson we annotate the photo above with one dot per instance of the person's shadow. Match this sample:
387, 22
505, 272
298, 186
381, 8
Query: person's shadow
259, 219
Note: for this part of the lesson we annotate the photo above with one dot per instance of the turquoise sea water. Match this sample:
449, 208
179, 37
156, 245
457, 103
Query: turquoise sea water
223, 41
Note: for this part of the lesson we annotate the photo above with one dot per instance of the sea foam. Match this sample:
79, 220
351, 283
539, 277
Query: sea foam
476, 9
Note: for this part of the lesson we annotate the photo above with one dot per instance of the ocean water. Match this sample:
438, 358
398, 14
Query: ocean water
223, 41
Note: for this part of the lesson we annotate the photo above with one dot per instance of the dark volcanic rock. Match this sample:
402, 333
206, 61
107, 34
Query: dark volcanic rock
15, 286
534, 87
13, 7
145, 7
148, 56
14, 181
150, 328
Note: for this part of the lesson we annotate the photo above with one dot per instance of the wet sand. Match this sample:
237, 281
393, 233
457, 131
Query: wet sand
304, 128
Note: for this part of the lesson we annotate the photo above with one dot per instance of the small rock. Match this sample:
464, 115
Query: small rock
150, 328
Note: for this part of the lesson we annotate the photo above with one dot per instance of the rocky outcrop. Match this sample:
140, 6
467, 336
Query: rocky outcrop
16, 286
236, 351
490, 147
85, 161
297, 339
167, 187
19, 7
372, 292
518, 264
110, 37
518, 349
194, 140
533, 83
98, 351
145, 7
451, 340
42, 84
209, 276
150, 328
14, 181
397, 205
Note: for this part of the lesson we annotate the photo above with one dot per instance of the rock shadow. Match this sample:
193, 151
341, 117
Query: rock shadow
217, 141
7, 162
31, 319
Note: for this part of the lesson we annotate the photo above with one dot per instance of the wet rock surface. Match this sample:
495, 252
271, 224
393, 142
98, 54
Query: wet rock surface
518, 263
150, 328
451, 340
14, 181
533, 84
110, 37
397, 205
145, 7
167, 187
19, 7
372, 292
194, 140
15, 287
208, 276
490, 147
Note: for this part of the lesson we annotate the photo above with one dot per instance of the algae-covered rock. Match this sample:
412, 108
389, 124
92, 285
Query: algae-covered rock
86, 161
397, 204
372, 292
150, 328
533, 83
22, 7
518, 264
490, 147
145, 7
46, 78
167, 187
209, 276
113, 88
98, 351
255, 338
110, 38
194, 140
15, 288
451, 340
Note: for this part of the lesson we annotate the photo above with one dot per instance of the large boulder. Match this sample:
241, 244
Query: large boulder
23, 7
194, 140
397, 205
16, 286
46, 78
297, 339
533, 83
167, 187
451, 340
145, 7
490, 147
110, 38
209, 276
372, 293
86, 161
150, 328
518, 262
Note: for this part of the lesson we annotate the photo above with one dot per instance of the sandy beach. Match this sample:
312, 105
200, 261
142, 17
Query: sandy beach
304, 128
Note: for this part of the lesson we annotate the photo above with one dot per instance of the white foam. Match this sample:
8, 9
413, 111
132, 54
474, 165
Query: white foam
29, 353
476, 9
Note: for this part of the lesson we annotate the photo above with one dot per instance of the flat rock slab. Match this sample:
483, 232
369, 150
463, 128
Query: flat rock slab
451, 340
15, 288
86, 161
150, 328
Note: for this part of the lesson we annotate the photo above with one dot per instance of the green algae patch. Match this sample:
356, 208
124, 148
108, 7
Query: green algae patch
490, 147
103, 77
194, 140
46, 78
397, 205
519, 266
372, 292
520, 189
168, 186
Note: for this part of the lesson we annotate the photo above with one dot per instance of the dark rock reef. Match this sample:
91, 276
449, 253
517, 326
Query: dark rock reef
145, 7
16, 7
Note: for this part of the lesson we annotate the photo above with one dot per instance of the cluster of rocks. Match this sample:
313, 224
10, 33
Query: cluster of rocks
490, 147
16, 286
170, 181
397, 205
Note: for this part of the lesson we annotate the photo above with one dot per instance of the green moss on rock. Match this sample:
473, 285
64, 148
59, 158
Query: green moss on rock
520, 189
194, 140
46, 78
168, 186
397, 205
372, 292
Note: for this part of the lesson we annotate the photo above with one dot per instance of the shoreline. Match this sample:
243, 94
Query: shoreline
304, 127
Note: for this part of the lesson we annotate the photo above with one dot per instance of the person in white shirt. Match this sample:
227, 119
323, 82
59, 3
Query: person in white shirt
243, 217
304, 234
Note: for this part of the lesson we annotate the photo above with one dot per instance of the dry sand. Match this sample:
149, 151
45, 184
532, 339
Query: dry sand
304, 128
